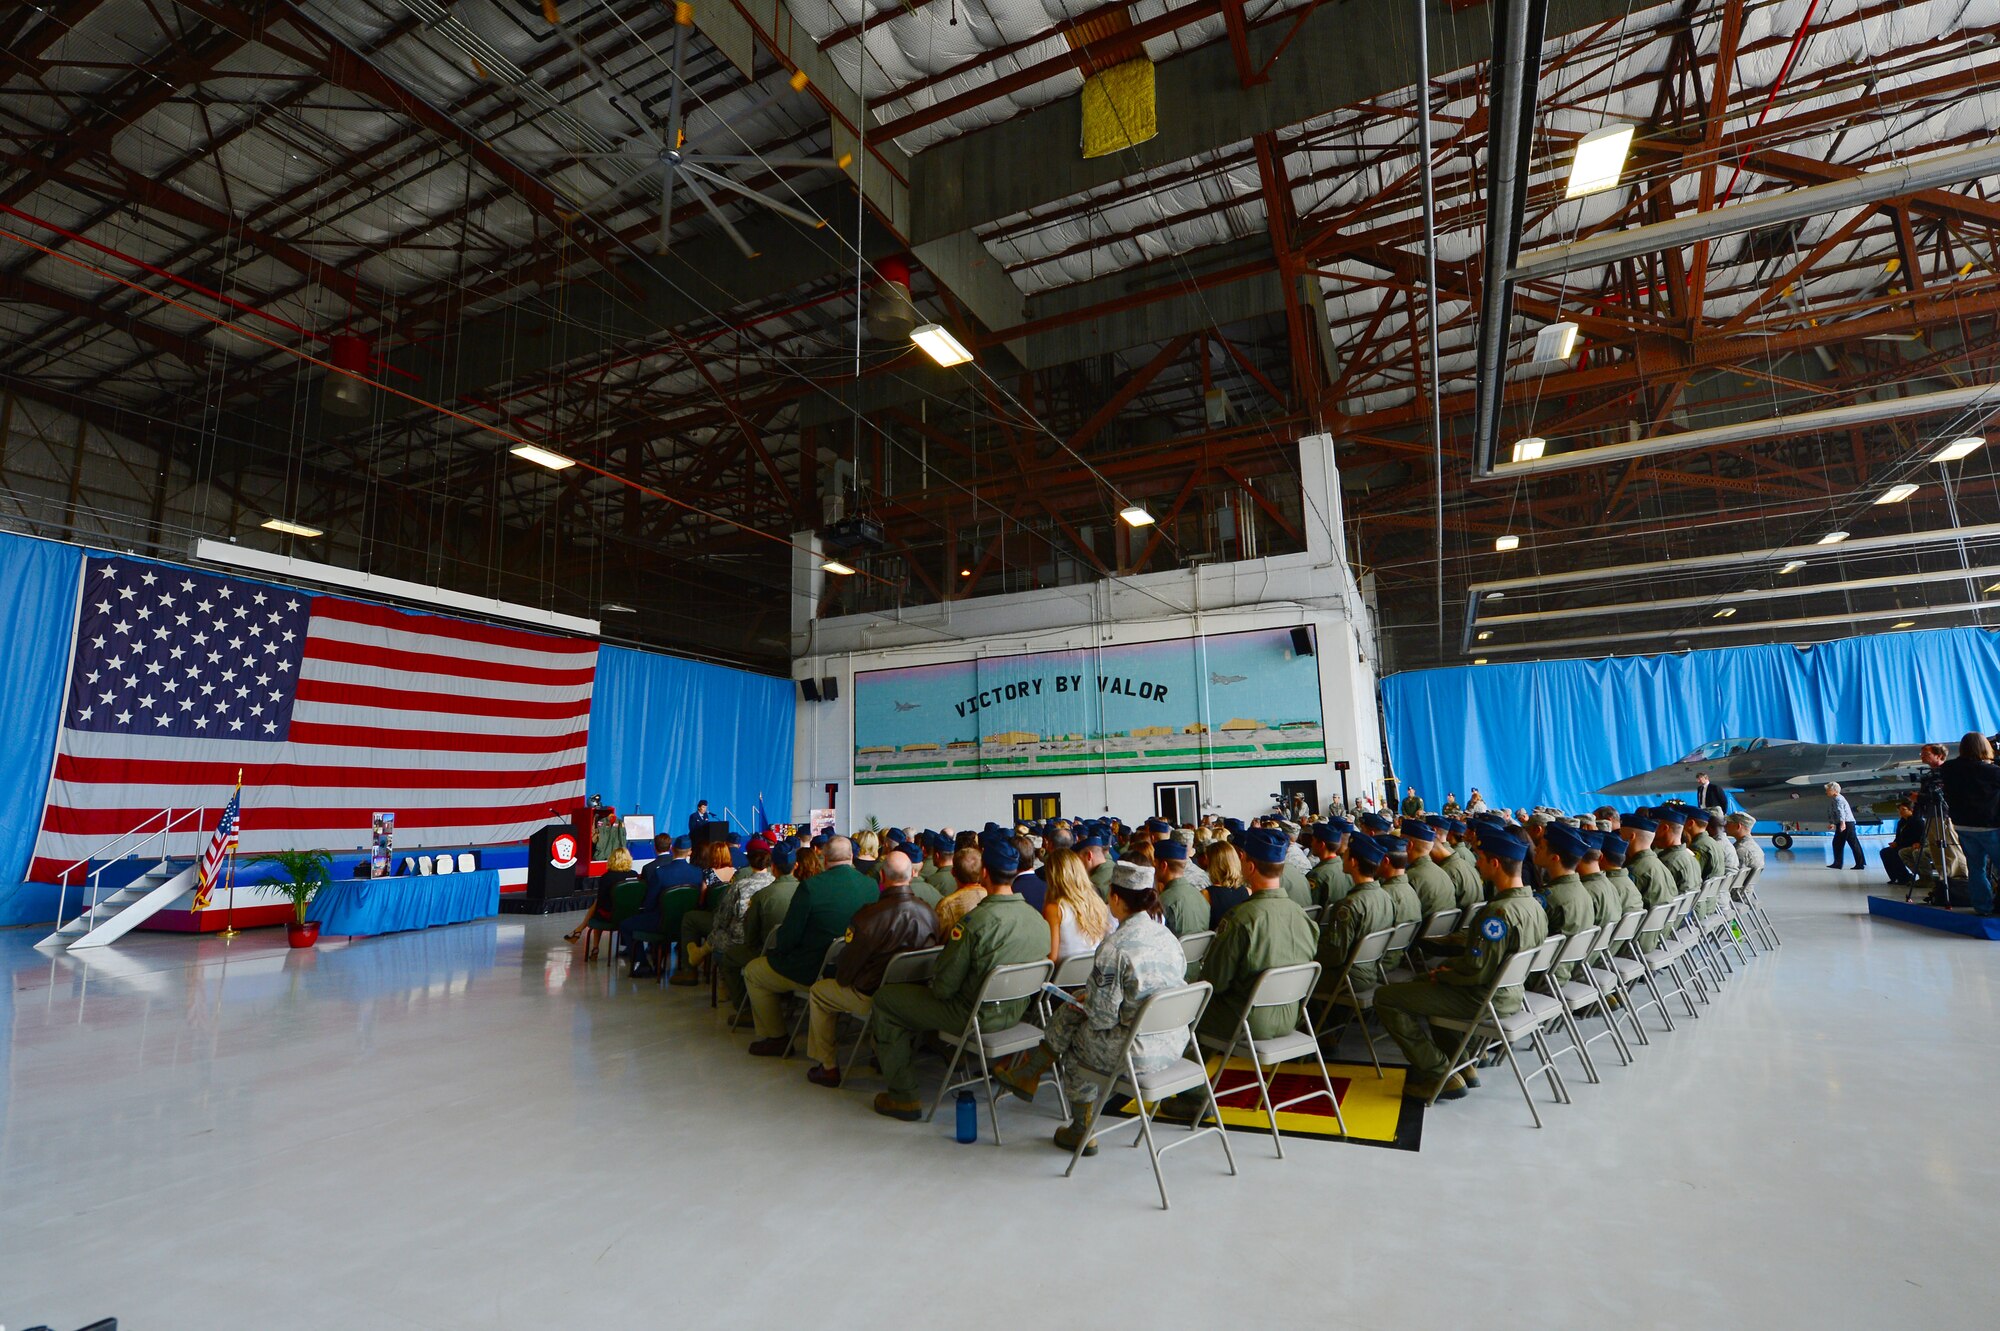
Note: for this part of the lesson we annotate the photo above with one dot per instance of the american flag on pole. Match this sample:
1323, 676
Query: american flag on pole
219, 847
330, 709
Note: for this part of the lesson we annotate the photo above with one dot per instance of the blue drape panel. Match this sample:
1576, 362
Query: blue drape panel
665, 732
37, 616
409, 901
1552, 732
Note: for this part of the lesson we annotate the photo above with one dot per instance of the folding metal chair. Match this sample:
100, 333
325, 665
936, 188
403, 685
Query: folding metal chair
1575, 996
1399, 943
743, 998
1281, 986
1746, 896
914, 967
1606, 971
1073, 972
833, 951
1639, 964
1162, 1011
1489, 1028
1003, 984
1195, 946
1367, 948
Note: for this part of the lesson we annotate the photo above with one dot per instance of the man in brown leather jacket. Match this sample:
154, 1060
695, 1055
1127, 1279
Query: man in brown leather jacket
899, 922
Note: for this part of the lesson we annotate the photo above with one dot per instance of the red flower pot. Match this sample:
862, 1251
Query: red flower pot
302, 935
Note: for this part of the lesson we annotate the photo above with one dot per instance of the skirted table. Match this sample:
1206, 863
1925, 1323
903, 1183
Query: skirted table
410, 901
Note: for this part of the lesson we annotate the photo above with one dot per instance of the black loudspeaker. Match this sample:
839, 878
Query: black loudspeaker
715, 829
810, 688
1302, 642
829, 688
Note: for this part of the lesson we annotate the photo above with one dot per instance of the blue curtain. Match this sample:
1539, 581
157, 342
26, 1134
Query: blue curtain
37, 618
1552, 732
665, 732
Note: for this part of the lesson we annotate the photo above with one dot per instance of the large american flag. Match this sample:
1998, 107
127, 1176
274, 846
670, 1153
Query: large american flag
333, 710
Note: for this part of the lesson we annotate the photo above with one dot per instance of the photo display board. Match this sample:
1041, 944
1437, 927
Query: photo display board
1226, 700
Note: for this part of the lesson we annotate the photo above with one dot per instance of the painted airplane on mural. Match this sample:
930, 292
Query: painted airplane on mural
1781, 780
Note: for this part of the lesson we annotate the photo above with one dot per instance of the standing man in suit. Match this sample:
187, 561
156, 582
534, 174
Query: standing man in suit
1708, 795
698, 817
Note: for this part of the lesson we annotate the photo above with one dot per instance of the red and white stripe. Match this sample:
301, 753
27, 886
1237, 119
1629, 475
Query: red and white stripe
470, 733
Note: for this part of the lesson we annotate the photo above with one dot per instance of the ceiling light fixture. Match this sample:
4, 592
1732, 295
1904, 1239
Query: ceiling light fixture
965, 573
1556, 341
1485, 635
1506, 543
1896, 494
1135, 515
1479, 660
937, 342
613, 608
1726, 612
291, 528
542, 457
1832, 538
1530, 449
1904, 624
1959, 448
1599, 161
835, 566
1792, 567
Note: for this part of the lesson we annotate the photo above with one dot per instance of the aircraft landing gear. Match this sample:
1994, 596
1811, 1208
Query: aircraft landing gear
1781, 841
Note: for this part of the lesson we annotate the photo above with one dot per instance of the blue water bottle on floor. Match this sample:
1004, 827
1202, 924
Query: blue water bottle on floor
968, 1117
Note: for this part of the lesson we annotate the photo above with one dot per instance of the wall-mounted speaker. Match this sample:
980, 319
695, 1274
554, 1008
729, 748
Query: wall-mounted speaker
829, 688
1302, 642
809, 689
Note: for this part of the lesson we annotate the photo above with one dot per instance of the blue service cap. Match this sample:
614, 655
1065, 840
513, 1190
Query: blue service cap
1159, 826
1264, 845
683, 843
1096, 839
1234, 826
1340, 826
1502, 844
1393, 845
1000, 856
1326, 833
1695, 813
1678, 817
1374, 824
734, 838
1565, 841
1615, 848
1437, 821
1639, 822
821, 839
1170, 849
1454, 826
1417, 830
785, 854
1366, 849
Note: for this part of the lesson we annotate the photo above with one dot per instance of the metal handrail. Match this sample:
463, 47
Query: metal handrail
173, 819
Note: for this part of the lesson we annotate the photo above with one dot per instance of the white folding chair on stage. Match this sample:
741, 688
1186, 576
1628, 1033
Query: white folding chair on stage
1489, 1028
904, 968
1004, 984
1163, 1010
1342, 993
1281, 986
1195, 946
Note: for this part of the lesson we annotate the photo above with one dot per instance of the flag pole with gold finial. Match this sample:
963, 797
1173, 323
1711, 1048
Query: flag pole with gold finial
229, 929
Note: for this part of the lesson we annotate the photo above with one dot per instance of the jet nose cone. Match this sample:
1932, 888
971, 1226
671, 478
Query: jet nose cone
1646, 783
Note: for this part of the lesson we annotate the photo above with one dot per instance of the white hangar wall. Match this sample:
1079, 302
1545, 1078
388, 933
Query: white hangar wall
990, 640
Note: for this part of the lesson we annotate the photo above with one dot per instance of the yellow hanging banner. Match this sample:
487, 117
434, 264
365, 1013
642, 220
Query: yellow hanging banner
1118, 108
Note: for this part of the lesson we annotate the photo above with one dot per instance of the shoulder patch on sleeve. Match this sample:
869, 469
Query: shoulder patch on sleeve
1494, 929
957, 932
847, 937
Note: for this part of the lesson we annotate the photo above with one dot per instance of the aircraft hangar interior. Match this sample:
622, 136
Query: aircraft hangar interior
762, 639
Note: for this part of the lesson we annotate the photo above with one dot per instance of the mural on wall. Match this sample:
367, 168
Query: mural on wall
1226, 700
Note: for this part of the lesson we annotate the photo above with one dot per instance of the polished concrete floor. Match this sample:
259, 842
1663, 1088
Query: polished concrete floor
472, 1128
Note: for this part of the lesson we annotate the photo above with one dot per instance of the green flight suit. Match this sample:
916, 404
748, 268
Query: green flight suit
1570, 910
1685, 868
1184, 908
1708, 855
1100, 878
1292, 882
1512, 922
1466, 884
1361, 912
1609, 902
1433, 887
1329, 881
1409, 910
921, 889
1627, 891
940, 879
1002, 930
817, 918
1656, 885
1267, 930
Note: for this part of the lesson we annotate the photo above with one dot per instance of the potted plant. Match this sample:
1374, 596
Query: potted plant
301, 874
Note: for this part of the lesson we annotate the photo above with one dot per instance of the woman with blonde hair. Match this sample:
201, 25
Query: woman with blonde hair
1226, 889
1078, 918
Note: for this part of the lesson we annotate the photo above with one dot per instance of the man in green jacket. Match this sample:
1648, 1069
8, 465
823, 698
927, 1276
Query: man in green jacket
1458, 865
1427, 878
1590, 871
1512, 922
1680, 861
815, 920
1655, 881
1096, 852
1624, 891
937, 870
1264, 932
1002, 930
1328, 879
767, 912
1182, 906
1566, 902
1366, 909
1396, 882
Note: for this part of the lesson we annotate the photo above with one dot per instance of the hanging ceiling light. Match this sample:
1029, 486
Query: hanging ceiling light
835, 566
1530, 449
1896, 494
291, 528
1832, 538
542, 457
1959, 449
1792, 567
1555, 341
1727, 612
937, 342
1904, 624
1506, 543
1599, 160
1135, 515
1479, 660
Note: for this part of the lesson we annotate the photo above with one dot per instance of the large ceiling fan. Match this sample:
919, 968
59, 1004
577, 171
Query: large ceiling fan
665, 148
